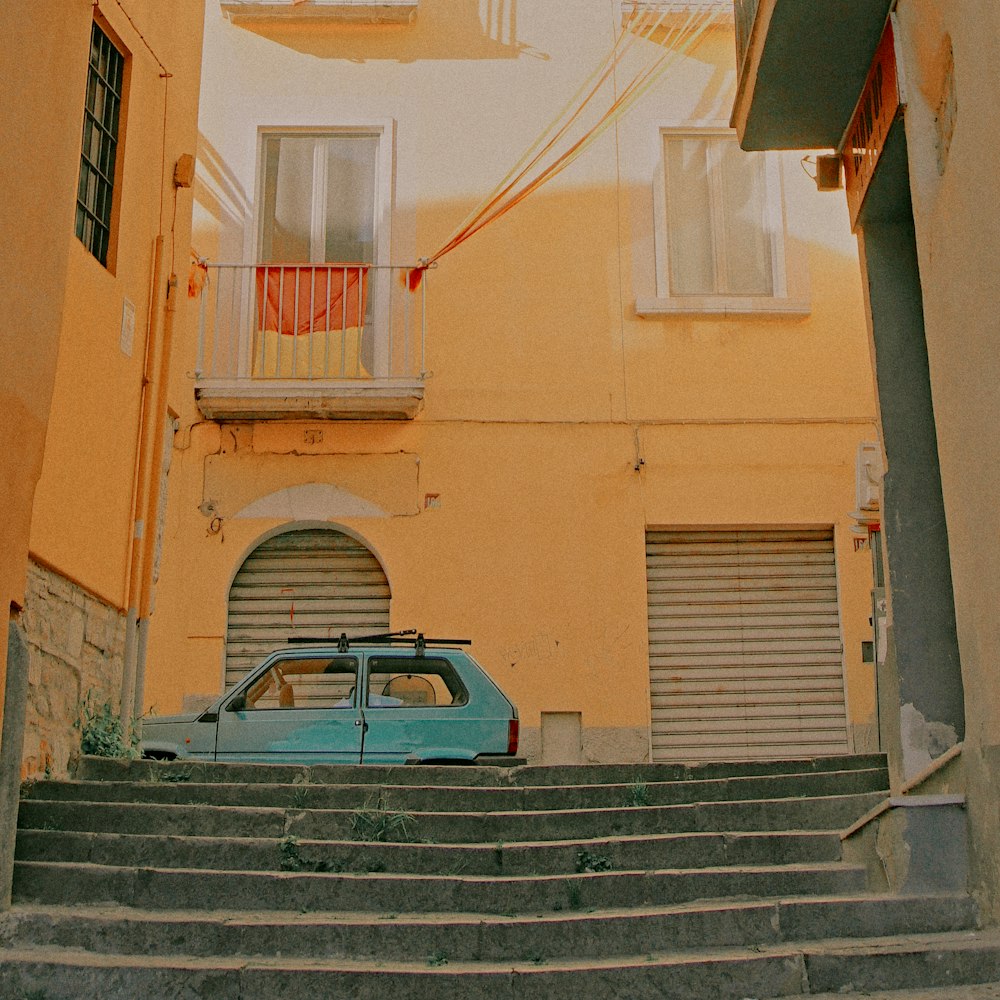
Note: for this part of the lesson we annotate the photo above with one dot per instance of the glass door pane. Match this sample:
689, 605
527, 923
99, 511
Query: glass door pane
287, 209
350, 198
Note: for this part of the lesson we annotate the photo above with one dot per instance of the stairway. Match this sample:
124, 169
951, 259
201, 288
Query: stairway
265, 882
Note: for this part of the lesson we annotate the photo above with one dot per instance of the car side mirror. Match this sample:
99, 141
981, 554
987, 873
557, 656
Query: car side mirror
238, 704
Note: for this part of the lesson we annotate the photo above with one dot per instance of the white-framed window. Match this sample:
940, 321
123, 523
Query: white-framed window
719, 231
324, 196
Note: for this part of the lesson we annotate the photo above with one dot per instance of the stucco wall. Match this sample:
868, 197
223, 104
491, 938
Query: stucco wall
42, 129
524, 524
71, 380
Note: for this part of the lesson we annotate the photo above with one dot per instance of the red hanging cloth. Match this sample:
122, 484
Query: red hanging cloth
312, 297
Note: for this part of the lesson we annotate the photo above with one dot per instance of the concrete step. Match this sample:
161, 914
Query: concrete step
914, 961
478, 937
106, 769
451, 798
982, 991
719, 974
698, 850
828, 812
52, 882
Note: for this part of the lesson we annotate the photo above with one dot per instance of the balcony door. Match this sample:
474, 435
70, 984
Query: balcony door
318, 201
322, 200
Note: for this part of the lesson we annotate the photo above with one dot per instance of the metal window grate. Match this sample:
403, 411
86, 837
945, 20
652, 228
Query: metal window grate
100, 144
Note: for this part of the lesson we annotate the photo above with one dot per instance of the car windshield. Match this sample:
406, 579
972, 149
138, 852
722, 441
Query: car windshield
305, 682
413, 682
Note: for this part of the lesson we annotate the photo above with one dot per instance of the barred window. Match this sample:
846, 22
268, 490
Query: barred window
100, 144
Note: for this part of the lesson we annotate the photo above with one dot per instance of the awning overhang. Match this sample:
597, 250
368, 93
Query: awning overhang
803, 64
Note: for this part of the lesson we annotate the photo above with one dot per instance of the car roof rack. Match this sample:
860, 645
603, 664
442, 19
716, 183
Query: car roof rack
406, 637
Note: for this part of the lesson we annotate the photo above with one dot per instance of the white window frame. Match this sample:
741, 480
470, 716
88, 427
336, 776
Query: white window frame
381, 285
789, 294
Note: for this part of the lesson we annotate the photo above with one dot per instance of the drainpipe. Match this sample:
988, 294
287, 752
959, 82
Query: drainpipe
155, 491
140, 482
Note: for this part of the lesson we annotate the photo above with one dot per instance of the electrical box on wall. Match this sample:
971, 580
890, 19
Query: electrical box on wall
868, 476
828, 174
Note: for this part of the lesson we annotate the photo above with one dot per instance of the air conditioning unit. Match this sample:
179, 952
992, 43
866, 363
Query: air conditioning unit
868, 476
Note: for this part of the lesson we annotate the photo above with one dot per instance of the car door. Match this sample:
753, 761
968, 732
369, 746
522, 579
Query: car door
418, 706
298, 708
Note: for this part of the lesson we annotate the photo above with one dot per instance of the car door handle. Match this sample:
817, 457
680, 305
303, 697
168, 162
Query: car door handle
361, 722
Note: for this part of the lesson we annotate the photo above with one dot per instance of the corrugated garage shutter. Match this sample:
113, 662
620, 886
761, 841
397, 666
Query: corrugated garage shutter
308, 582
745, 651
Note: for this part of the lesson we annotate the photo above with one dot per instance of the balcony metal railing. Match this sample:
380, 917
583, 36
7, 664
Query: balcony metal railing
356, 324
745, 13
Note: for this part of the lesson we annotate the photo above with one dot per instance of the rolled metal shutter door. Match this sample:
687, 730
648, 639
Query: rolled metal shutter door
746, 658
309, 582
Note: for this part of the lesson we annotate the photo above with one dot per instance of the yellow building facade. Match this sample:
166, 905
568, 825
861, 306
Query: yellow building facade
93, 219
611, 438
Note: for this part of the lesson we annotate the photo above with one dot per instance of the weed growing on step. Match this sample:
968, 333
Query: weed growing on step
575, 901
637, 795
157, 775
293, 861
299, 797
438, 959
377, 823
36, 994
102, 732
591, 863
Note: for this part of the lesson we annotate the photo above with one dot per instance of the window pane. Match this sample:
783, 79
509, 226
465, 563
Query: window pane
408, 682
308, 683
350, 198
99, 144
747, 240
689, 217
288, 199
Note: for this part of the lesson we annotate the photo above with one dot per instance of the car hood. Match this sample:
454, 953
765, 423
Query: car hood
166, 720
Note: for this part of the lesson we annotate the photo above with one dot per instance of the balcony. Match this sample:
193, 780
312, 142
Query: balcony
344, 11
293, 341
673, 13
802, 65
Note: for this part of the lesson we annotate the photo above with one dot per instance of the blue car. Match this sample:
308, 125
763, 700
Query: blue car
385, 699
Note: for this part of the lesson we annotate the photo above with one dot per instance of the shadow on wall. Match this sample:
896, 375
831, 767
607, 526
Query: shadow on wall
443, 29
219, 193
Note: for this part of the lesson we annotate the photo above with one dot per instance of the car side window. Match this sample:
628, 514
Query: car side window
413, 682
316, 682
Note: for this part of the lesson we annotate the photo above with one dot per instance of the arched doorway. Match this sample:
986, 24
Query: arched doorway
300, 583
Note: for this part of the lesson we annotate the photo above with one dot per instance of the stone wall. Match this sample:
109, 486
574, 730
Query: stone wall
77, 645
